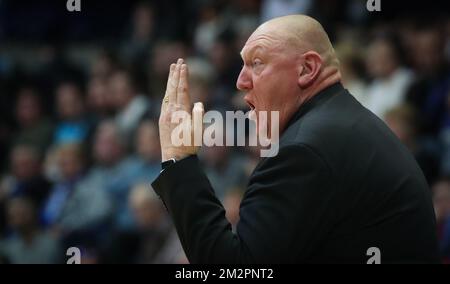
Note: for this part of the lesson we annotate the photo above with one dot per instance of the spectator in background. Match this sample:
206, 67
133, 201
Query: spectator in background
71, 163
210, 25
351, 66
430, 92
402, 120
441, 203
142, 168
139, 42
112, 175
201, 78
129, 105
226, 62
98, 103
33, 127
147, 162
243, 17
84, 216
74, 125
26, 177
75, 212
158, 240
104, 65
162, 55
28, 244
224, 168
390, 80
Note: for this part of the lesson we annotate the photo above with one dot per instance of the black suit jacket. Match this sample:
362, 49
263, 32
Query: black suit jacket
340, 184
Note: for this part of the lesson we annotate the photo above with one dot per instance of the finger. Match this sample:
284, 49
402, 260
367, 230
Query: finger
197, 123
169, 79
172, 95
169, 85
183, 89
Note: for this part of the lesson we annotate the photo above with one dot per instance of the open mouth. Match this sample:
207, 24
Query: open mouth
252, 113
249, 103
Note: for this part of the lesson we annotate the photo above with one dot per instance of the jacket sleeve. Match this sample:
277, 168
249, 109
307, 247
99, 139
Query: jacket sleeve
283, 215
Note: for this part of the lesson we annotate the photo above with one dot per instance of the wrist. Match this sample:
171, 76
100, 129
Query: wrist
168, 163
176, 156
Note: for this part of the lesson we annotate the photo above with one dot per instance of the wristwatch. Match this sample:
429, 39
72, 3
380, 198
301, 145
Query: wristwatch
167, 163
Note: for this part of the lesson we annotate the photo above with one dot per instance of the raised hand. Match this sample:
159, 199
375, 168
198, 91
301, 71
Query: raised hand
176, 115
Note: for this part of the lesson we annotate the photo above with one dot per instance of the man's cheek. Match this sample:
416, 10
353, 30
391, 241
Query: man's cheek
262, 96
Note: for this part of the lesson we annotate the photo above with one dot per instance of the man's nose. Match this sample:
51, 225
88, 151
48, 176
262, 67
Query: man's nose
244, 81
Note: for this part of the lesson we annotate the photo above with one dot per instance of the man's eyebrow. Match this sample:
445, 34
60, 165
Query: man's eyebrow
251, 51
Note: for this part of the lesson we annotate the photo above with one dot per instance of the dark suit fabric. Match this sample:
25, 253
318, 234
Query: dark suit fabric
340, 184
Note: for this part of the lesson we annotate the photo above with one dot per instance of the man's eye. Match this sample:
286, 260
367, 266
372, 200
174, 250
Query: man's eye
256, 63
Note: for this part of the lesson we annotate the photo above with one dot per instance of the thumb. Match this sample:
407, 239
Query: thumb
197, 123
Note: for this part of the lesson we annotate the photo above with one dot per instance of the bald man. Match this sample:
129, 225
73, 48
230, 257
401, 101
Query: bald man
341, 189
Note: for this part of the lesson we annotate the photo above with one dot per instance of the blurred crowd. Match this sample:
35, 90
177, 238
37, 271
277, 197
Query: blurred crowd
80, 97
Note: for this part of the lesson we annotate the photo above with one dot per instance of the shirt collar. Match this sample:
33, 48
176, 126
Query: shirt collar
316, 100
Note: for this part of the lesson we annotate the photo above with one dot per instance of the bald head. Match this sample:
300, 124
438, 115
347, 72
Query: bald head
299, 33
287, 61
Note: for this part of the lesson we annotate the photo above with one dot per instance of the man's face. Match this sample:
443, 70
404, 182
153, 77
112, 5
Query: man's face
120, 90
107, 147
381, 59
24, 163
70, 163
427, 51
147, 142
70, 103
269, 76
20, 214
28, 109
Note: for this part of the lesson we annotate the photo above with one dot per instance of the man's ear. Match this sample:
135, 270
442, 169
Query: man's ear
310, 69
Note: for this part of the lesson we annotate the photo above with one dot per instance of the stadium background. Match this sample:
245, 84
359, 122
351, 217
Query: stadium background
80, 95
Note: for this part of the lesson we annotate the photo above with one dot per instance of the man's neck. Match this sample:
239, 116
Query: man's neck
314, 90
328, 77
